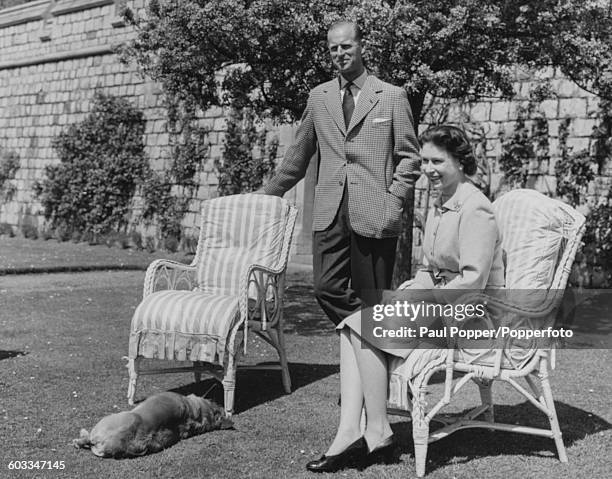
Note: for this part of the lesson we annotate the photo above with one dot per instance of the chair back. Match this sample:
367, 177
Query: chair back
540, 237
239, 231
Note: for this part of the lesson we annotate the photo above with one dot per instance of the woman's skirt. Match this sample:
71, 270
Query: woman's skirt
396, 334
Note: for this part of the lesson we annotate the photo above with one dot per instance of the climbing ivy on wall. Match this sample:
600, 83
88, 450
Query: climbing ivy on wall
574, 170
527, 146
9, 164
247, 157
167, 193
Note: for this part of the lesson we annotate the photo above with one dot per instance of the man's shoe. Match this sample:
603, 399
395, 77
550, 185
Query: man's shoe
352, 456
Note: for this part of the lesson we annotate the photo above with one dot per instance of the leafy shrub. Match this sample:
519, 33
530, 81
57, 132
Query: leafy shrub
160, 204
6, 230
116, 239
29, 231
102, 160
135, 240
9, 164
46, 233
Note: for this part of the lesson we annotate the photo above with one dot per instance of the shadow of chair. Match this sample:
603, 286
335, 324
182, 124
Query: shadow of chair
202, 312
471, 444
263, 387
540, 237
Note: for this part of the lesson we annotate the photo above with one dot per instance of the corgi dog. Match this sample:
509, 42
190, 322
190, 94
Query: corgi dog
157, 423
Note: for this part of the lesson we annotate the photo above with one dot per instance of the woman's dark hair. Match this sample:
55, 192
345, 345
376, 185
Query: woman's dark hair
454, 141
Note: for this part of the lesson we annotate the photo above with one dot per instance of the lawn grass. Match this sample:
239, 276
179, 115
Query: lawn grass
19, 255
62, 338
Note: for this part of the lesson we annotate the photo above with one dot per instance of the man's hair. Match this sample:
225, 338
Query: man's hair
344, 23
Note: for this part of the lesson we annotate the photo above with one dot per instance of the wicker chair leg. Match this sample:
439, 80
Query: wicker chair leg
420, 449
486, 397
552, 414
282, 356
132, 366
420, 431
229, 386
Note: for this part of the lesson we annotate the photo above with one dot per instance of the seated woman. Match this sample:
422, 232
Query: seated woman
462, 251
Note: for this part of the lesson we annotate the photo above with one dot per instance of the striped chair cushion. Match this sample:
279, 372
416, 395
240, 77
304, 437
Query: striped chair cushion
183, 325
532, 230
238, 231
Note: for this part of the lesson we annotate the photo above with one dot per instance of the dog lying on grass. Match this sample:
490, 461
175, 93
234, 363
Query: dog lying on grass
159, 422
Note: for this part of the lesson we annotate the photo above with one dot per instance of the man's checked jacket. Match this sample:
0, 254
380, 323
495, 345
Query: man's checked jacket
376, 157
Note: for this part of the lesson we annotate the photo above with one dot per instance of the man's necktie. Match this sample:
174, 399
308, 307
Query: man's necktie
348, 104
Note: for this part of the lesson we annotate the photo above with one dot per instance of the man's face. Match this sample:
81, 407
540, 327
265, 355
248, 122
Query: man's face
345, 51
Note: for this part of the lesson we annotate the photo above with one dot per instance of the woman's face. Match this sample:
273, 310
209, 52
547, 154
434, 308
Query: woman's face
442, 169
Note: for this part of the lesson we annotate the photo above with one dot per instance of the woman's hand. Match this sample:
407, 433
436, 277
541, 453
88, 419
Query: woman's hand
416, 292
393, 296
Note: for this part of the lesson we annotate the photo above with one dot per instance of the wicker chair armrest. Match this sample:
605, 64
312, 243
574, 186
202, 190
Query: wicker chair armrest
264, 290
406, 284
502, 313
549, 304
164, 274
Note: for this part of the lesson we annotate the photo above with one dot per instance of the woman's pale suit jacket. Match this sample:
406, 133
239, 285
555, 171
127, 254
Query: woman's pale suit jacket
462, 251
376, 157
462, 244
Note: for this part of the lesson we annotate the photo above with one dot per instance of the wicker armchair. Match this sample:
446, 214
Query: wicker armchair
234, 284
540, 237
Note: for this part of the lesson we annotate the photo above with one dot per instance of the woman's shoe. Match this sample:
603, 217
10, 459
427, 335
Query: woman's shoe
352, 456
383, 453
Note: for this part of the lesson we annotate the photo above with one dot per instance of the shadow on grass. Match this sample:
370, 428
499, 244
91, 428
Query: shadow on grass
11, 354
256, 387
303, 315
469, 444
587, 314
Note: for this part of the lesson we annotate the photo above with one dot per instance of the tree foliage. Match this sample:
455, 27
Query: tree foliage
451, 49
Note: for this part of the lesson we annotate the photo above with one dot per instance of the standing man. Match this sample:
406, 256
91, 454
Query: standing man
368, 163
